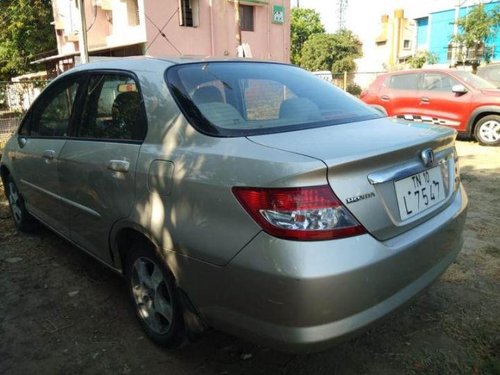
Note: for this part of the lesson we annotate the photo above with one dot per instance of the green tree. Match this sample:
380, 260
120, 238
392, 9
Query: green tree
25, 32
304, 23
333, 52
420, 58
476, 29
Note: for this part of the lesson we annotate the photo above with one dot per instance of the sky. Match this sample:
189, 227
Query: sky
363, 17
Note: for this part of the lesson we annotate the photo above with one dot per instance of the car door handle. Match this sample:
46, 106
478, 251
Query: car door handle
49, 154
425, 99
385, 98
119, 165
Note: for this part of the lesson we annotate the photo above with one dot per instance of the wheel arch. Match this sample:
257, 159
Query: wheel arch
478, 114
122, 236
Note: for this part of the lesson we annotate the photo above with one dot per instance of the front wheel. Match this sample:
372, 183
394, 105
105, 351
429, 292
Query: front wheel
154, 295
22, 218
487, 130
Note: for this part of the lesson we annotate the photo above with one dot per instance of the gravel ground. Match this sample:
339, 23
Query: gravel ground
62, 312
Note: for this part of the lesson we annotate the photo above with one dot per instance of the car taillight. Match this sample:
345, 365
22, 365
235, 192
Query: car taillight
305, 214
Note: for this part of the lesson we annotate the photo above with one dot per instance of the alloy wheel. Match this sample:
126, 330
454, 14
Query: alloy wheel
490, 131
15, 202
151, 295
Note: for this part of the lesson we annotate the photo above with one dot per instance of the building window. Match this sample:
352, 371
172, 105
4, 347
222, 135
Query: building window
188, 13
132, 12
406, 44
246, 18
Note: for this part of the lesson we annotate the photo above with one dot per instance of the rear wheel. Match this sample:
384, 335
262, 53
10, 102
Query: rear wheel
487, 130
22, 218
154, 294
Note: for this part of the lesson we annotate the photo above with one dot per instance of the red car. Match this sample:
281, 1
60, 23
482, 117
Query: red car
453, 98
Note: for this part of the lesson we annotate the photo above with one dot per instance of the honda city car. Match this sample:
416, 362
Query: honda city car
453, 98
252, 197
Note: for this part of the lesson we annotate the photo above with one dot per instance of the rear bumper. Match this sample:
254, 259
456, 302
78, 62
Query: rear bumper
305, 296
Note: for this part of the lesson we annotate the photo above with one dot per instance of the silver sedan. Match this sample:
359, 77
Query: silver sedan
247, 196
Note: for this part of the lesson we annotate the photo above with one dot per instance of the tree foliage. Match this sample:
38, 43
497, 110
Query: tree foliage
420, 58
333, 52
477, 28
304, 23
25, 32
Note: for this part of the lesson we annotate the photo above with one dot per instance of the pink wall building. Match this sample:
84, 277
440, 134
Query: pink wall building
171, 28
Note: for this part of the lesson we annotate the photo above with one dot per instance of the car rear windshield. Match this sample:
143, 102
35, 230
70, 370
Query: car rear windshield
249, 98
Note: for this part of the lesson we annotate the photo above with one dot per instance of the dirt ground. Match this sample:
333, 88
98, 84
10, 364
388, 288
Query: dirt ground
61, 312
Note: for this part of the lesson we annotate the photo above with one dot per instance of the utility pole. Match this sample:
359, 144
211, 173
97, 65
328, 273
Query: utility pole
342, 10
82, 35
237, 21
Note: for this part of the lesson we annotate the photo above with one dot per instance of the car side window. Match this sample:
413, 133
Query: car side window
113, 109
437, 82
51, 115
403, 81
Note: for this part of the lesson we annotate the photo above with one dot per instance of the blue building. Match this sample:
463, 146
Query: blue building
435, 31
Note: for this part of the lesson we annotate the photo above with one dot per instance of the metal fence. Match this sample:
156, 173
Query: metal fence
354, 81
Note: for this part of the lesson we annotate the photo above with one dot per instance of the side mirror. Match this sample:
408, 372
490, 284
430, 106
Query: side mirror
459, 89
21, 141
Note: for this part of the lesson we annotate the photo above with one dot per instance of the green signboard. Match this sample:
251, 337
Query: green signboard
278, 14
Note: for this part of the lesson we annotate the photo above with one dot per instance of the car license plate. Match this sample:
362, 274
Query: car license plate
419, 192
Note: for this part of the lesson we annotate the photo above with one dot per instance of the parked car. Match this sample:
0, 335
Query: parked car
247, 196
453, 98
491, 73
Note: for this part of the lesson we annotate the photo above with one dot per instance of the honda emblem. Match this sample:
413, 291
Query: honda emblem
427, 157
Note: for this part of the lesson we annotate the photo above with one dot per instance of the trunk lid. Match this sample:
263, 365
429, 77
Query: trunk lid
365, 160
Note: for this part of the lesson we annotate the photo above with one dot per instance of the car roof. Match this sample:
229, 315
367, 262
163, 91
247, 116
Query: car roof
426, 70
492, 65
136, 63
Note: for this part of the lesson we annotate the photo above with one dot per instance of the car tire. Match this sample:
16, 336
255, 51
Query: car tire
22, 218
154, 295
487, 130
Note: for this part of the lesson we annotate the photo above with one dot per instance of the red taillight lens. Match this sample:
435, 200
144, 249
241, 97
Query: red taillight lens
306, 214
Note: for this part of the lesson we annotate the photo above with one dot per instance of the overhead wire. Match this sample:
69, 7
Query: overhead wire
160, 31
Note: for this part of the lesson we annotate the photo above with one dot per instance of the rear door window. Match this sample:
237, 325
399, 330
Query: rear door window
113, 109
403, 81
52, 113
